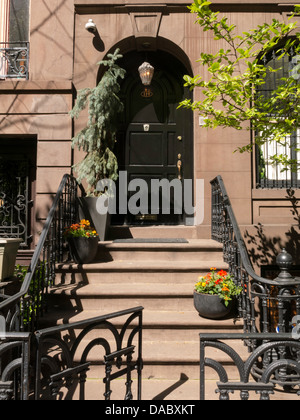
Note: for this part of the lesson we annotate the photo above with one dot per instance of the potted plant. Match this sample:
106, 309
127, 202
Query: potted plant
83, 242
8, 253
97, 139
214, 294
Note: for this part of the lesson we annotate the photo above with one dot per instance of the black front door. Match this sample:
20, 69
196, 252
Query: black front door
156, 145
154, 151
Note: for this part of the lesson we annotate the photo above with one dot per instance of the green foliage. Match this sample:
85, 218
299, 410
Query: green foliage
31, 304
220, 284
98, 138
80, 230
231, 95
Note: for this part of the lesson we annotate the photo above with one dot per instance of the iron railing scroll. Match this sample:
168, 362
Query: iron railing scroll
23, 309
53, 363
282, 370
15, 202
266, 306
62, 364
14, 366
14, 60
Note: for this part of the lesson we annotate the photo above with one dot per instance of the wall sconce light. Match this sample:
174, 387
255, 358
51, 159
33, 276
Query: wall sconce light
146, 73
91, 26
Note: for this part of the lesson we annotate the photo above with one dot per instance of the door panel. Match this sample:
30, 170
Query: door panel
146, 149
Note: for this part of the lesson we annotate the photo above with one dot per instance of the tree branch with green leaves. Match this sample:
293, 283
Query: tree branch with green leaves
232, 95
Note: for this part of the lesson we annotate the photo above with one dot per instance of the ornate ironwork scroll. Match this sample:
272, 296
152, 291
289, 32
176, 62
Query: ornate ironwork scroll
14, 198
266, 306
14, 366
281, 368
62, 358
14, 60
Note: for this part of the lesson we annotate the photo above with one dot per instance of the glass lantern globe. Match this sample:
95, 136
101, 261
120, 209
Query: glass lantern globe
146, 73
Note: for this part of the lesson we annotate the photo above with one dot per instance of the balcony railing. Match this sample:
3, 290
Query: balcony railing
14, 60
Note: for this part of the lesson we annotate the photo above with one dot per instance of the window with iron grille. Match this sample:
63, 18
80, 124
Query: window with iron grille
268, 174
17, 177
14, 39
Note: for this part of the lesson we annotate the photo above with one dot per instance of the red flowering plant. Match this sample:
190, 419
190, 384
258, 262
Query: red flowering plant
80, 230
218, 283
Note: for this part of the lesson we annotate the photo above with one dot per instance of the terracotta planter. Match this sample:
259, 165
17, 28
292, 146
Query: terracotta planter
211, 306
8, 253
83, 250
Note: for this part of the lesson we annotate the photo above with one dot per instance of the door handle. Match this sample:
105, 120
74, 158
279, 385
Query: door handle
179, 166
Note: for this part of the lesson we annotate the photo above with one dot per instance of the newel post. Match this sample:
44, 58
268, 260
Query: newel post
287, 290
285, 262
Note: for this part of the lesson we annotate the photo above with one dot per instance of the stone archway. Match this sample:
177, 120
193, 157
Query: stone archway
155, 140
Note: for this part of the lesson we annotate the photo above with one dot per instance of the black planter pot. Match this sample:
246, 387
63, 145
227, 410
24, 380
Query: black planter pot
83, 250
211, 306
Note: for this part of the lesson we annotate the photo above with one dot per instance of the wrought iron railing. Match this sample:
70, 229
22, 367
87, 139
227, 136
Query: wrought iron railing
282, 370
14, 366
14, 60
61, 363
53, 363
23, 309
266, 306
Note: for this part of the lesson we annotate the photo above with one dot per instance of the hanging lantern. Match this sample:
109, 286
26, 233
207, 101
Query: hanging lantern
146, 73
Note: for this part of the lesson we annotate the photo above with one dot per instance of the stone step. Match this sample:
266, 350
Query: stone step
102, 296
194, 250
124, 232
159, 359
171, 341
158, 276
158, 326
132, 271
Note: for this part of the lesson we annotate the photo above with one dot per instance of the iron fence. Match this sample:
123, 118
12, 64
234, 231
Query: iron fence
266, 306
14, 366
274, 355
62, 362
53, 363
24, 308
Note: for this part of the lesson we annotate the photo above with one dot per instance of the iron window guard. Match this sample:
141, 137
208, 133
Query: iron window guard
14, 60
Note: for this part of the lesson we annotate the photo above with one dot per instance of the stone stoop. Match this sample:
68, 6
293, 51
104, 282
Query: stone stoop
159, 277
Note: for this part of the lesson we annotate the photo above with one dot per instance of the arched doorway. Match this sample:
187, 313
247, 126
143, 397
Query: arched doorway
155, 139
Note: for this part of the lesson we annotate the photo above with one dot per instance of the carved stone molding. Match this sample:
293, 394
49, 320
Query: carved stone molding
145, 24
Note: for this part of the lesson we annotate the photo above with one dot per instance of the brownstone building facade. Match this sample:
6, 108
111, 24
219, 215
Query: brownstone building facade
60, 56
